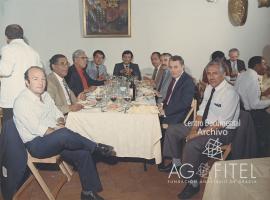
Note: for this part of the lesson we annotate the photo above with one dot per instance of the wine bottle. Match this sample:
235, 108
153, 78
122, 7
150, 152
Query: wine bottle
133, 88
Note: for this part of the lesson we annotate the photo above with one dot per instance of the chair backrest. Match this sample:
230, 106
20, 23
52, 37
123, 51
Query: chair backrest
193, 110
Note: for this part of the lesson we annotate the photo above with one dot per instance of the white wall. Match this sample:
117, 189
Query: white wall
190, 28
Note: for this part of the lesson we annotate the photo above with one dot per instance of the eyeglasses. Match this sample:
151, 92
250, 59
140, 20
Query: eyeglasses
83, 57
63, 64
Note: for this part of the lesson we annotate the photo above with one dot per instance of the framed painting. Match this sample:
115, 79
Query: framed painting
106, 18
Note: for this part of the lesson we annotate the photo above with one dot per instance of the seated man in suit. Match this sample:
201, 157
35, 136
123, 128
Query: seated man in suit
235, 65
175, 108
127, 68
77, 79
216, 120
96, 68
165, 79
41, 128
58, 89
156, 62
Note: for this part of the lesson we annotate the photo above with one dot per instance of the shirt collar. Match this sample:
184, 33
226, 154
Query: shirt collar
221, 85
60, 79
33, 96
179, 76
16, 40
252, 71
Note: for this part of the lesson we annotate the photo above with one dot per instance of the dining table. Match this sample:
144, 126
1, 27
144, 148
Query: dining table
132, 128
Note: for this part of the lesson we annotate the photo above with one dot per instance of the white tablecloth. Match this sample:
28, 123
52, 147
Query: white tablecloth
132, 135
251, 182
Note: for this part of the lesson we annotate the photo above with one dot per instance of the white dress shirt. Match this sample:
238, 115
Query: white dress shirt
17, 57
224, 107
248, 87
60, 79
33, 117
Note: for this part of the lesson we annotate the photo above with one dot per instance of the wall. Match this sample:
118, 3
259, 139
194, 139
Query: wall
190, 28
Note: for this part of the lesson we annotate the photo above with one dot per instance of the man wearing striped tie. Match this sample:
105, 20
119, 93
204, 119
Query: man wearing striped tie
58, 89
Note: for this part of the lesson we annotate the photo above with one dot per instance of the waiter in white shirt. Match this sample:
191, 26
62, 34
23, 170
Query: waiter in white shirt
216, 119
41, 127
248, 87
17, 57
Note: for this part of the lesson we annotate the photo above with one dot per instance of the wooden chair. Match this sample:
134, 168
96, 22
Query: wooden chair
65, 169
1, 119
226, 150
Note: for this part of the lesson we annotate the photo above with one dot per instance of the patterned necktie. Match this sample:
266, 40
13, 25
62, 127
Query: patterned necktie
206, 110
169, 92
67, 90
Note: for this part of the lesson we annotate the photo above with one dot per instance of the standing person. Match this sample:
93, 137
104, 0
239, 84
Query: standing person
17, 57
96, 68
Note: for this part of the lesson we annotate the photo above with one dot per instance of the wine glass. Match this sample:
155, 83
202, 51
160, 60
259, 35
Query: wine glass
113, 97
99, 97
127, 99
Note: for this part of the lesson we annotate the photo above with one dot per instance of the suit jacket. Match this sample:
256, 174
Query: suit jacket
180, 101
240, 66
165, 84
13, 158
56, 92
135, 70
74, 81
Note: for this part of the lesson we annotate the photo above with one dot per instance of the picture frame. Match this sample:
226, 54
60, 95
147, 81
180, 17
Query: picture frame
106, 18
263, 3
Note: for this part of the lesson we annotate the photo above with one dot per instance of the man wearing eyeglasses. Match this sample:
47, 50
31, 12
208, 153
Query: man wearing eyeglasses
58, 89
77, 78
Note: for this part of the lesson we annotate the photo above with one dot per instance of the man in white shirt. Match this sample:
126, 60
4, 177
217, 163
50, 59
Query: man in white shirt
41, 127
216, 120
248, 87
63, 96
17, 57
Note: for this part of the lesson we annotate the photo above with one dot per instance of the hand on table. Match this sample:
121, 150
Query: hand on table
82, 96
76, 107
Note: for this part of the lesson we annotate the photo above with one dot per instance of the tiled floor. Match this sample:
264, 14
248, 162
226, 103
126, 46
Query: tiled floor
121, 181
